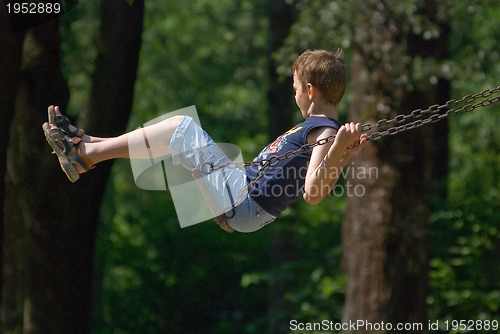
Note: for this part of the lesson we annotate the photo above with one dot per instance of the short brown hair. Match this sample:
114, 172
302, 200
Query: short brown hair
324, 70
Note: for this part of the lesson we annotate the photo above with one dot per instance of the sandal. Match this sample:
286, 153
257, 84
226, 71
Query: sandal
63, 122
68, 150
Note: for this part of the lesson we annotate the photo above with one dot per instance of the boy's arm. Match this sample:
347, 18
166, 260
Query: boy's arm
327, 161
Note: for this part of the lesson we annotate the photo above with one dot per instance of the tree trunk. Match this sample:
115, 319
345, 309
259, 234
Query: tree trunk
30, 267
10, 73
283, 248
50, 224
385, 229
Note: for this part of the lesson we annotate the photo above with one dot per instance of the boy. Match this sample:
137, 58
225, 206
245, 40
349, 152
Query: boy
319, 81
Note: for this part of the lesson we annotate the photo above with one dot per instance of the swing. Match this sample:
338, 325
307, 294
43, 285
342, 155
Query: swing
402, 123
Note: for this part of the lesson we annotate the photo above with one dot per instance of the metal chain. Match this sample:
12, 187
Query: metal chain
432, 114
438, 112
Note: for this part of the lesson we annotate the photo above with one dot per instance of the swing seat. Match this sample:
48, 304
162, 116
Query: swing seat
219, 219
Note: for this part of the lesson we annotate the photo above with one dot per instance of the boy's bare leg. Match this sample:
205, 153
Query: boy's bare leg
95, 149
157, 135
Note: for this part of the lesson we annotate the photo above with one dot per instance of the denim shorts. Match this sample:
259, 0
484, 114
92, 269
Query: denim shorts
191, 147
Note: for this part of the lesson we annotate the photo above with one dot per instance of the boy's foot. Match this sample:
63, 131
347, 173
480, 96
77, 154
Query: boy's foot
62, 122
68, 150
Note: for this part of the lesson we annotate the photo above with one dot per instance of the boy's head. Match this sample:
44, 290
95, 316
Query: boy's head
324, 70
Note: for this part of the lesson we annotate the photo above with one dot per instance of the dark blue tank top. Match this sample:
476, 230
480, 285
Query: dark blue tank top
284, 183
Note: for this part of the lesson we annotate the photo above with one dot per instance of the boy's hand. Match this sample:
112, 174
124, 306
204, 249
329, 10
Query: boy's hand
356, 147
349, 136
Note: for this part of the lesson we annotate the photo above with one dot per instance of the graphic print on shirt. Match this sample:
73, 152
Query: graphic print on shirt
276, 145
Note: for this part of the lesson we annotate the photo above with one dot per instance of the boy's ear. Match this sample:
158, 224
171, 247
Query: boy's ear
312, 92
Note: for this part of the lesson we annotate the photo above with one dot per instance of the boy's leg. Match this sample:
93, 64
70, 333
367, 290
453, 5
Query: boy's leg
158, 135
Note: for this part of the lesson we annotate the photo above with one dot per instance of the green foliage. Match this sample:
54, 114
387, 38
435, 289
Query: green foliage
474, 47
78, 48
465, 232
211, 54
158, 278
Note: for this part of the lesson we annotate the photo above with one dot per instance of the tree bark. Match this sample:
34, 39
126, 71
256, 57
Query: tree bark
10, 73
50, 224
283, 247
27, 247
385, 229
